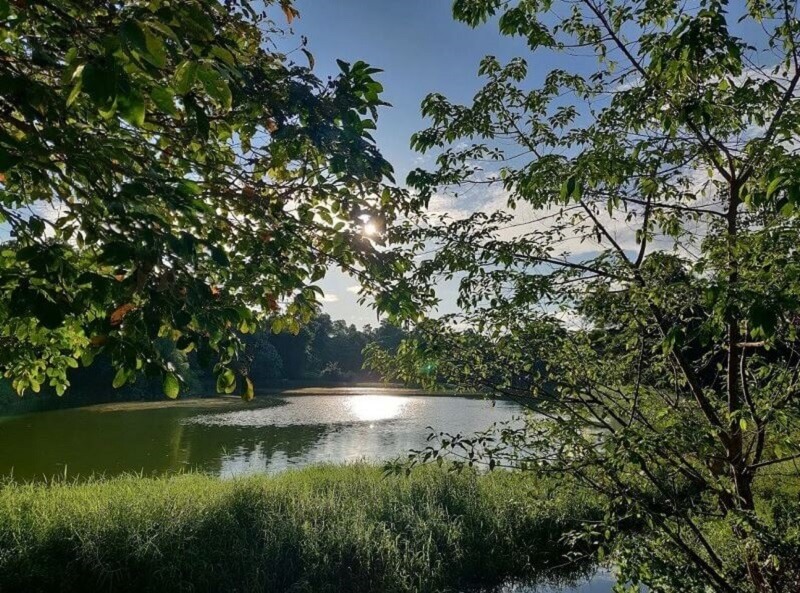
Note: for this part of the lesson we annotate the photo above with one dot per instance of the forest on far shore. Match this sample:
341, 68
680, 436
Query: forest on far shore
324, 351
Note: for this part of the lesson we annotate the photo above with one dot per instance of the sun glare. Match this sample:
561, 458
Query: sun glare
370, 229
369, 408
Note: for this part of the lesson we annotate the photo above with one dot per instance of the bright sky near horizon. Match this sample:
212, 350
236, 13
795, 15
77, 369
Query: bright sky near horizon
421, 50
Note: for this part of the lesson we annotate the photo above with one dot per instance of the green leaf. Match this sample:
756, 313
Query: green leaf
310, 58
171, 386
185, 75
215, 85
185, 343
75, 92
188, 187
673, 339
226, 381
570, 189
249, 392
164, 99
132, 109
165, 29
224, 55
773, 186
99, 80
763, 319
133, 35
87, 357
156, 50
120, 378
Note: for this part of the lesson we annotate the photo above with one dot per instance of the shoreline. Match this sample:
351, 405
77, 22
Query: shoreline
263, 398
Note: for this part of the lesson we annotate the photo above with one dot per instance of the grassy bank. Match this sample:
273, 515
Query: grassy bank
320, 529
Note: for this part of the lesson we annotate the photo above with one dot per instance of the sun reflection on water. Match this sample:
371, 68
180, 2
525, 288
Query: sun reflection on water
369, 408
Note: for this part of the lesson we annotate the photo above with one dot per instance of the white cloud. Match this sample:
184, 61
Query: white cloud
330, 298
354, 289
572, 320
528, 220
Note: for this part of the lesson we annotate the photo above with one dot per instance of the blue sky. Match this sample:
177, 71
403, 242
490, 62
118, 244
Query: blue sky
421, 50
418, 45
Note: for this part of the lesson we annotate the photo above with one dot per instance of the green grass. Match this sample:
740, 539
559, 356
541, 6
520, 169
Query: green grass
322, 529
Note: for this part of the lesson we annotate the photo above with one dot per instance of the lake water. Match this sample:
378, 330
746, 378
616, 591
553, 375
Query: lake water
228, 437
602, 582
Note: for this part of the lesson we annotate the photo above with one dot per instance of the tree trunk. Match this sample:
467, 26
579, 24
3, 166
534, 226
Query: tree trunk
742, 480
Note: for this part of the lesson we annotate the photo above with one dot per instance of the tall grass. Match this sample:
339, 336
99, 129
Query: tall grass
342, 529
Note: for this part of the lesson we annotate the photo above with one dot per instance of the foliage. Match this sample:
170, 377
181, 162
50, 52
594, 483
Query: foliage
264, 363
164, 172
327, 345
644, 298
336, 342
331, 372
321, 529
323, 349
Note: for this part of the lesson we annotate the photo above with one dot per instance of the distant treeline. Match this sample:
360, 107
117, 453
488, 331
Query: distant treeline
324, 351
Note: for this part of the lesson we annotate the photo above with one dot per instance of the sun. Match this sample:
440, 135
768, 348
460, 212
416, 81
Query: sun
370, 229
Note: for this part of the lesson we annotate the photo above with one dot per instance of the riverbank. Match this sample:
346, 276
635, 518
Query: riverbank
367, 388
14, 405
334, 528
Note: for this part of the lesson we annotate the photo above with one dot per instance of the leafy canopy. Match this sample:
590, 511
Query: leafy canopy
165, 172
629, 272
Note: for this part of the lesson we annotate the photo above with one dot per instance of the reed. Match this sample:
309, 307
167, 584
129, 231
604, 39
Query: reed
329, 528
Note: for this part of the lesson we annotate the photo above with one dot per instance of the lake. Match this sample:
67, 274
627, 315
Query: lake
228, 437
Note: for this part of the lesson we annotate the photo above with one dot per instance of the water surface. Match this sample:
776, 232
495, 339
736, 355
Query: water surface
227, 437
601, 582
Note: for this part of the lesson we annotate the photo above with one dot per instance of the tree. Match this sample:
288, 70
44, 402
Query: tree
265, 365
325, 344
643, 299
164, 172
346, 346
293, 350
388, 336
